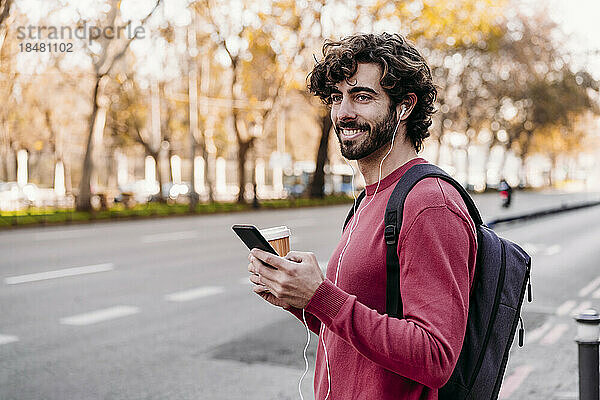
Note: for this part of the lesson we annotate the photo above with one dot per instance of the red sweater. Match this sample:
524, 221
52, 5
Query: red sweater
373, 356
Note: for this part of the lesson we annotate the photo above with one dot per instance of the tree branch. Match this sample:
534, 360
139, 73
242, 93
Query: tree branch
140, 139
128, 43
4, 9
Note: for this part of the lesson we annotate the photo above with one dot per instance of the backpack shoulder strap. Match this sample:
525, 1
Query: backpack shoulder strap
355, 205
393, 223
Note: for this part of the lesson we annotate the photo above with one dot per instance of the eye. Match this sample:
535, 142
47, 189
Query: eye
336, 98
363, 97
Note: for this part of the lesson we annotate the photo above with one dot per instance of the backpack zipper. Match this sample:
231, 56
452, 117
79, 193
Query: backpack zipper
521, 332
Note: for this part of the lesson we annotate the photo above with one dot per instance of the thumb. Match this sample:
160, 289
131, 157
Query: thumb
295, 256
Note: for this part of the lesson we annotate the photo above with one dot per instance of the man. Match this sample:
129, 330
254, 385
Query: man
375, 85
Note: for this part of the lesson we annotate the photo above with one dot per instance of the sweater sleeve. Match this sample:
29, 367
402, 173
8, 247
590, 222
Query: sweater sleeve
314, 324
434, 284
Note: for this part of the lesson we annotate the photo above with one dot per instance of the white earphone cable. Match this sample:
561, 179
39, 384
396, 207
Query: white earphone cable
304, 354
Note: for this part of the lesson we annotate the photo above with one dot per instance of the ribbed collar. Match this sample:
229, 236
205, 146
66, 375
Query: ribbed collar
394, 176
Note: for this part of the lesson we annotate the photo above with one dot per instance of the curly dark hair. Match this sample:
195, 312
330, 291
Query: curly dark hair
404, 71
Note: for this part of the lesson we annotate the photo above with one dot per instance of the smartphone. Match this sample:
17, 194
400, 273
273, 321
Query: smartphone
252, 238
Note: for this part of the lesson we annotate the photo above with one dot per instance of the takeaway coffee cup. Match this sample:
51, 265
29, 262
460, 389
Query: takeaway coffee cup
279, 238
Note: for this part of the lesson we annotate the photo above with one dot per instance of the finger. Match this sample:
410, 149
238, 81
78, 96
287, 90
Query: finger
295, 256
255, 279
270, 259
255, 264
269, 285
261, 269
260, 289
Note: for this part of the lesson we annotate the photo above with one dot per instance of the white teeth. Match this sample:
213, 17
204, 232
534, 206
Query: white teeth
352, 132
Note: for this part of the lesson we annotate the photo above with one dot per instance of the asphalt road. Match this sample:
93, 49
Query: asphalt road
162, 309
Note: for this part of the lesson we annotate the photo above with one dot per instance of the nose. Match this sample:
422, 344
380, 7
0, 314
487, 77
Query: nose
345, 110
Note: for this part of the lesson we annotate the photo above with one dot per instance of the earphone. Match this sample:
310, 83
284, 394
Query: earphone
352, 228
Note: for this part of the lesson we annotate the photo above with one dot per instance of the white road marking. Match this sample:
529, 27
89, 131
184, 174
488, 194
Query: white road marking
169, 236
196, 293
100, 315
515, 380
583, 306
4, 339
566, 396
59, 273
534, 335
531, 248
553, 250
590, 287
555, 334
530, 307
565, 307
60, 235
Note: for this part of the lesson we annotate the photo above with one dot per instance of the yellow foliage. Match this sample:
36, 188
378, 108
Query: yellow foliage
456, 23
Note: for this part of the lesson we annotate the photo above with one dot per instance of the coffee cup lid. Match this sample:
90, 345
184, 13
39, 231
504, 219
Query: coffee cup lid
276, 232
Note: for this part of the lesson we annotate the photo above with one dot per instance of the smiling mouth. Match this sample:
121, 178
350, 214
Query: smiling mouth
352, 133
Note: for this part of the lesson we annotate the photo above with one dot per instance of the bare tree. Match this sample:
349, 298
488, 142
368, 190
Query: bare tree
248, 81
103, 62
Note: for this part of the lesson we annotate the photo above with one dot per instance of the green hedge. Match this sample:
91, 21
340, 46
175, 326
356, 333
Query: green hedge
47, 216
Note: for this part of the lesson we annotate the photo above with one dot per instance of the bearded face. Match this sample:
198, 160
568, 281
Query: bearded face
362, 113
358, 139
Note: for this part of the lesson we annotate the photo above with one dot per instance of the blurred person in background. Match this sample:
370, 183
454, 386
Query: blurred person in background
505, 193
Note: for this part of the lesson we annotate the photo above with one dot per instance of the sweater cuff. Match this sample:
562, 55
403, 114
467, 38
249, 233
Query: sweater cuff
327, 301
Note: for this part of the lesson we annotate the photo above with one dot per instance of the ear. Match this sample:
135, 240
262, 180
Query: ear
409, 103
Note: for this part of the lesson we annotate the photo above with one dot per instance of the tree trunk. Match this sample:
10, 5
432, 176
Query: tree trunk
113, 171
438, 139
524, 154
317, 186
553, 165
84, 196
503, 163
255, 202
3, 166
208, 174
193, 194
162, 198
4, 10
243, 148
33, 162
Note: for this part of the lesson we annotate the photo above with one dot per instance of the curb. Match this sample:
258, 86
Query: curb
538, 214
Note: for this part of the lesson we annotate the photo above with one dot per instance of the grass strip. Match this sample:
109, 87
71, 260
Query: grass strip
47, 216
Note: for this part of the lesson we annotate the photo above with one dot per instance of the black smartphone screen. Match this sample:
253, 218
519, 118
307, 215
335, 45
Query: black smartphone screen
253, 238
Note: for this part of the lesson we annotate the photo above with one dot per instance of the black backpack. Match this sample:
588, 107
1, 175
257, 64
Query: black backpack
502, 273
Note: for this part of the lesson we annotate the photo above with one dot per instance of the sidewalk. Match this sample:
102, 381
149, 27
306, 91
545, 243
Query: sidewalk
527, 202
